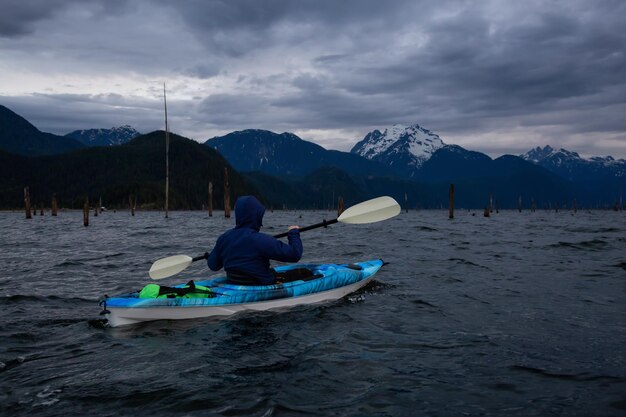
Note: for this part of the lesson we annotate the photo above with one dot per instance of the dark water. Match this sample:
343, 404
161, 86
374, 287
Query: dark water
514, 315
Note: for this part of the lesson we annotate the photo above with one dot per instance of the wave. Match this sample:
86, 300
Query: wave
462, 261
426, 229
595, 244
26, 298
592, 230
12, 363
582, 377
374, 287
422, 302
70, 263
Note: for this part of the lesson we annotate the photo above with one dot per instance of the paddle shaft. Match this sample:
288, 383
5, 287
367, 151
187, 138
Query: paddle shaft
313, 226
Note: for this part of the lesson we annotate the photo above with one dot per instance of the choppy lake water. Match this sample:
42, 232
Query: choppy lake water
519, 314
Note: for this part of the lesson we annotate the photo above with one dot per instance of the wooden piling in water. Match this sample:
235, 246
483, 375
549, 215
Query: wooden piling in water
451, 209
27, 203
210, 205
574, 205
486, 212
519, 203
53, 206
86, 212
226, 194
340, 207
41, 209
406, 203
132, 204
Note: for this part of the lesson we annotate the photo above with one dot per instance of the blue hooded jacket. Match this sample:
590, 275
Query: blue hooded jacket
245, 250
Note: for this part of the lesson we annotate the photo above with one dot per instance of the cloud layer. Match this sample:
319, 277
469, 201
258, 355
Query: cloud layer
494, 76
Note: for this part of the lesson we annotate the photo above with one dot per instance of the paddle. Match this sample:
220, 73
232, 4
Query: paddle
370, 211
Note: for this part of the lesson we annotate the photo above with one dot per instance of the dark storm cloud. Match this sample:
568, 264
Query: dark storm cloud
236, 28
469, 68
19, 17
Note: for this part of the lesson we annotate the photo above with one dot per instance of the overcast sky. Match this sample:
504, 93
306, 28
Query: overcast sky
493, 76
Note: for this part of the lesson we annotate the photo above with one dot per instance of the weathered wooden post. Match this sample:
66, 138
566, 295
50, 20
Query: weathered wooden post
519, 203
27, 203
226, 194
486, 212
41, 209
132, 206
210, 206
340, 207
86, 212
451, 209
406, 203
53, 209
574, 205
533, 205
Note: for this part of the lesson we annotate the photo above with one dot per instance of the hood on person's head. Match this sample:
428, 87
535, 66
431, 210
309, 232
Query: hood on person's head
249, 212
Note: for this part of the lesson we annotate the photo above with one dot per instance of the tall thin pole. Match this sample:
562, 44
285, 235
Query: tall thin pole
167, 158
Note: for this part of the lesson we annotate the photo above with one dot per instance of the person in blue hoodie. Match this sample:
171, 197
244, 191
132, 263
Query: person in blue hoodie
244, 252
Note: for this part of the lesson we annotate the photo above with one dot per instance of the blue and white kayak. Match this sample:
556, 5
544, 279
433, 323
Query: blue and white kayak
329, 282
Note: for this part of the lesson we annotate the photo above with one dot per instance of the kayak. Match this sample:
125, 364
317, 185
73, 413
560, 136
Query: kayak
326, 282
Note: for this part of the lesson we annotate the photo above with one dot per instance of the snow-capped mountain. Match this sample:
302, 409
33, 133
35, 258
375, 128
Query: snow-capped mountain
404, 148
105, 137
572, 166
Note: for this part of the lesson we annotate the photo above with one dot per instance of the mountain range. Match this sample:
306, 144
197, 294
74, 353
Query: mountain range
408, 156
571, 166
287, 171
286, 154
104, 137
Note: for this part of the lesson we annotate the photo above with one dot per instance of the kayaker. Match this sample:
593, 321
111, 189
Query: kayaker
244, 252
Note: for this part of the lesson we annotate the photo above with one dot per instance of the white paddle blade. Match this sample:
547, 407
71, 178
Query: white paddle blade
370, 211
167, 267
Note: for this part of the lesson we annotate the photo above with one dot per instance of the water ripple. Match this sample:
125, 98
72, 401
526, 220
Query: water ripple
516, 314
